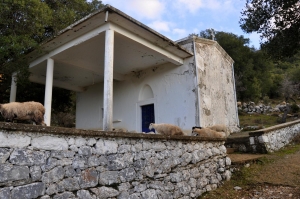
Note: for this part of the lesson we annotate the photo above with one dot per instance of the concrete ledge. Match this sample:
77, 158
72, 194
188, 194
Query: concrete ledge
92, 133
273, 128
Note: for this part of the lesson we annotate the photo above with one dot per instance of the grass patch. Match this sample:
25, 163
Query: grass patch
291, 149
261, 120
257, 120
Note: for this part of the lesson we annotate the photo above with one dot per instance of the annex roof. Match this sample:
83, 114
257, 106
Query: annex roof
78, 50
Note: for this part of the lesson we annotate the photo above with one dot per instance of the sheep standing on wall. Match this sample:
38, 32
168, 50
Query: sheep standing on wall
33, 111
166, 129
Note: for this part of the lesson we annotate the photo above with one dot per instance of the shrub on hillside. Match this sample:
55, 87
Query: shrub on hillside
295, 108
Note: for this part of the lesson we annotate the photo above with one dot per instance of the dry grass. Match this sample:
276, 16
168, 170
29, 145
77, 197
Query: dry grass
276, 171
262, 120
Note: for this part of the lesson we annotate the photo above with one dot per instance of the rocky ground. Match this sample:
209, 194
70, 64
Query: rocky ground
274, 176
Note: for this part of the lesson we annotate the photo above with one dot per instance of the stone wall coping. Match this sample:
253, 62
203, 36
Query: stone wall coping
273, 128
7, 126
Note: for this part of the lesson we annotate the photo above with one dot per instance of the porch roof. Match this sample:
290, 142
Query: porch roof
78, 50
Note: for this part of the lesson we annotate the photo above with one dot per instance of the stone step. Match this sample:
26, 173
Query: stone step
237, 159
230, 150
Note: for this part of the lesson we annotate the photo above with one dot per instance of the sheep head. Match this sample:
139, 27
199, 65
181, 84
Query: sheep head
151, 126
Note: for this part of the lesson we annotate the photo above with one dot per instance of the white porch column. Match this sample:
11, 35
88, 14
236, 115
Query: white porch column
13, 88
108, 80
48, 90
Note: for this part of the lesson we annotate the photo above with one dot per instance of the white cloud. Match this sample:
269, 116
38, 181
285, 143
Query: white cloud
195, 30
139, 9
160, 26
179, 33
213, 4
191, 5
150, 9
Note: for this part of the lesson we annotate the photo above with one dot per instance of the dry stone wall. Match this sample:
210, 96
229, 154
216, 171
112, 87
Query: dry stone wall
40, 162
274, 138
265, 140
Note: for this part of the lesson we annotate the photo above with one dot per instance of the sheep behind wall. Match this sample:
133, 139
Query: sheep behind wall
166, 129
220, 128
33, 111
207, 132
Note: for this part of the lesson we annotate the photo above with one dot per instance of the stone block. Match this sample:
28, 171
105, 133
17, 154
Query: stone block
140, 188
14, 140
124, 148
252, 141
91, 141
263, 139
109, 178
49, 143
53, 175
28, 191
80, 141
184, 188
84, 194
149, 194
45, 197
106, 147
62, 154
158, 146
85, 151
80, 162
9, 172
186, 158
116, 162
95, 161
176, 177
135, 196
52, 189
124, 186
123, 195
4, 154
88, 178
27, 157
65, 195
69, 184
105, 192
50, 164
5, 193
147, 145
127, 175
36, 173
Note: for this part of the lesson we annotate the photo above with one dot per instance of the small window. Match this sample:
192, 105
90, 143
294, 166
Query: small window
146, 93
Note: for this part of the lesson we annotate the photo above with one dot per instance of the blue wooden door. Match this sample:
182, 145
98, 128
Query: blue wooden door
147, 116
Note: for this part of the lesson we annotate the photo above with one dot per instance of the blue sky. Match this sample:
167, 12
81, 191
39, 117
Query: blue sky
177, 19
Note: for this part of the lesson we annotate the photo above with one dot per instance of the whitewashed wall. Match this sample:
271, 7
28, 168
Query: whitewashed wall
201, 92
174, 99
216, 86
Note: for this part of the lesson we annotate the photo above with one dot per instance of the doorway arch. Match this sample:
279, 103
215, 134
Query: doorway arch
145, 109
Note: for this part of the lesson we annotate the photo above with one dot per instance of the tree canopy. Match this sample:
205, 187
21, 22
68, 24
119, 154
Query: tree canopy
277, 21
24, 24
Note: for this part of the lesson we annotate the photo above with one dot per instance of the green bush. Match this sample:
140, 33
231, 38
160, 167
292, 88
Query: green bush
295, 108
266, 100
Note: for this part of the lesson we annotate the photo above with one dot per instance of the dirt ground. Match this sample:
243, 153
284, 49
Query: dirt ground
274, 176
